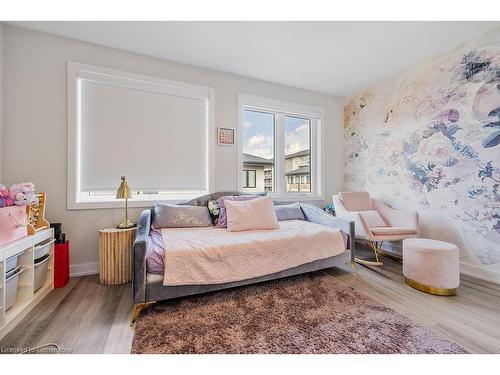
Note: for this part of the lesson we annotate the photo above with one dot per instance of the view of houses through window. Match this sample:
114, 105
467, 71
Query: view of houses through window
258, 150
297, 154
259, 132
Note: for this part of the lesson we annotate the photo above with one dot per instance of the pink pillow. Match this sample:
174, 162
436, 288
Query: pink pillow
372, 219
256, 214
222, 220
356, 200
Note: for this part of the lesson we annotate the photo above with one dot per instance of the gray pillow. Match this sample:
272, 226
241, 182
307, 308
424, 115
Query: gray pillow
289, 212
180, 216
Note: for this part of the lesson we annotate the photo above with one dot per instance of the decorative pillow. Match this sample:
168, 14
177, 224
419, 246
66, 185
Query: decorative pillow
214, 209
289, 212
356, 200
180, 216
222, 220
372, 219
256, 214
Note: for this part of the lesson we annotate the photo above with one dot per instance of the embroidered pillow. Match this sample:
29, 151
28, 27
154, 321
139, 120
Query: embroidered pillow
255, 214
289, 212
222, 220
180, 216
372, 219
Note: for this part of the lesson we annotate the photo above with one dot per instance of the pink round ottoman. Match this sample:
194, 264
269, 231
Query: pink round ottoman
431, 266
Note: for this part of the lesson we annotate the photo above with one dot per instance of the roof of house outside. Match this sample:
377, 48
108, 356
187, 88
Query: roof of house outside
254, 159
298, 153
299, 171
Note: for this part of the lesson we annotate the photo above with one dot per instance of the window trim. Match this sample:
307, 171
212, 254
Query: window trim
316, 114
137, 81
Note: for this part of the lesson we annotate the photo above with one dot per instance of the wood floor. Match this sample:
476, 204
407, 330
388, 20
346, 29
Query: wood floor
87, 317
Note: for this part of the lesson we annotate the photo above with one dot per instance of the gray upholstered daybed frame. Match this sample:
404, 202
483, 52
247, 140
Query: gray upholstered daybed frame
148, 288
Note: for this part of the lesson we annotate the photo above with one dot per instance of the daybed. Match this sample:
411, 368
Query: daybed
149, 287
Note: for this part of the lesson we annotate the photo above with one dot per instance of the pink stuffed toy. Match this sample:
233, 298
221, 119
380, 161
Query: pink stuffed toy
23, 194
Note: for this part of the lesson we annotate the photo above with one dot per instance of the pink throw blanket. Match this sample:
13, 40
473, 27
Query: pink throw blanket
214, 255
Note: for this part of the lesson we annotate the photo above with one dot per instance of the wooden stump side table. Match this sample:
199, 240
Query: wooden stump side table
115, 255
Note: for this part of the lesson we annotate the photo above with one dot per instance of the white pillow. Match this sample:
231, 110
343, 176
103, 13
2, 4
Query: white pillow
256, 214
372, 219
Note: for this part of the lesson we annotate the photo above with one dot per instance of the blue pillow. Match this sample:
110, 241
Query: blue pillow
289, 212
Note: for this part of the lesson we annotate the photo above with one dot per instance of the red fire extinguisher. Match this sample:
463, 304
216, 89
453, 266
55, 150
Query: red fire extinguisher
61, 264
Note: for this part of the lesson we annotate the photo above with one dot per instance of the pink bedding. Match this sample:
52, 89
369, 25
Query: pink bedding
155, 252
214, 255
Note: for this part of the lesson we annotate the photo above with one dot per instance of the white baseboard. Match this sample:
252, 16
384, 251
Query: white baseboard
480, 272
83, 269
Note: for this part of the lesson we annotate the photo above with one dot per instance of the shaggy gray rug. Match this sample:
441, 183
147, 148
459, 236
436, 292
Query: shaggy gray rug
313, 313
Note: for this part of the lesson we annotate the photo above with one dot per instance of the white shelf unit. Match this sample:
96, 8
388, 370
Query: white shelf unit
27, 297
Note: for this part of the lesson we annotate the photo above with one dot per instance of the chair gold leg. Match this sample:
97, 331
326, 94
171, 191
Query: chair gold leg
353, 266
390, 255
375, 247
367, 262
137, 310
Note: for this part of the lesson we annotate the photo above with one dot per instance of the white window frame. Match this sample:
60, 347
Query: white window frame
316, 114
75, 199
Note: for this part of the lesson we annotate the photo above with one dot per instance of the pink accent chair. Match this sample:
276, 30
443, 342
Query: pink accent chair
374, 221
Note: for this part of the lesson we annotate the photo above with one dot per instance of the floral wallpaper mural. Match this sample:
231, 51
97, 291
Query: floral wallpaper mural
430, 140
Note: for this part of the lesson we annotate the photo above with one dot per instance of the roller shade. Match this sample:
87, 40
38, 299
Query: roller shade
156, 136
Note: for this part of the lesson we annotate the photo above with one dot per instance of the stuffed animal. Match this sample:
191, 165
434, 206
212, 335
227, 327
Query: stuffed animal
23, 194
5, 198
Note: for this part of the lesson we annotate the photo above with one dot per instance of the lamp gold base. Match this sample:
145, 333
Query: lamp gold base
126, 224
430, 289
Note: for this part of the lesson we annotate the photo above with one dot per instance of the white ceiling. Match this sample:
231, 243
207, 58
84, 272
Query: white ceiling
338, 58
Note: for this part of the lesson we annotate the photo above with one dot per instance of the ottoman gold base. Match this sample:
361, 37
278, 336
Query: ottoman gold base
430, 289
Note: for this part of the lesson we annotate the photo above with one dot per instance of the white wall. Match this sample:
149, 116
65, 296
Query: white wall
35, 123
398, 131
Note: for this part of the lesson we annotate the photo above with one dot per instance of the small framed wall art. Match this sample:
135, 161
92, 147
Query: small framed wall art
225, 136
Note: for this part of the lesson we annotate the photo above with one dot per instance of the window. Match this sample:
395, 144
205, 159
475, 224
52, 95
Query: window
297, 153
155, 132
250, 178
258, 150
279, 141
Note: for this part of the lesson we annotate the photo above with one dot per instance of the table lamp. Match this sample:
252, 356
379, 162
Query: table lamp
123, 192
